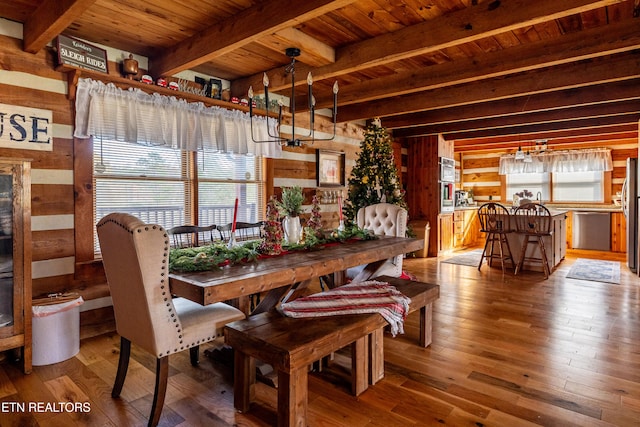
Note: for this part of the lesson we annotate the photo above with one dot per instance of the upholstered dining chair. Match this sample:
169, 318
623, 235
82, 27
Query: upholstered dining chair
136, 258
495, 222
533, 223
383, 219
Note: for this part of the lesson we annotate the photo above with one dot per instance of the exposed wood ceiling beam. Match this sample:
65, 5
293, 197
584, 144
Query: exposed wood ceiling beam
312, 52
617, 68
591, 95
248, 26
49, 20
573, 125
465, 26
584, 112
599, 41
581, 136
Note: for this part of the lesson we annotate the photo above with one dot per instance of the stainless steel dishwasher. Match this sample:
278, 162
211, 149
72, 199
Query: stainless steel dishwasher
591, 230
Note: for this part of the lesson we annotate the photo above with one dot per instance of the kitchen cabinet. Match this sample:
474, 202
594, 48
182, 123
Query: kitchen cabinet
466, 228
445, 233
15, 258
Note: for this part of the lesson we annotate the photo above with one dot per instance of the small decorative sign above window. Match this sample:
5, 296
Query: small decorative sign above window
26, 128
80, 54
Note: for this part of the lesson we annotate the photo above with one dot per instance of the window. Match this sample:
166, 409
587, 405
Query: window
578, 186
532, 182
160, 185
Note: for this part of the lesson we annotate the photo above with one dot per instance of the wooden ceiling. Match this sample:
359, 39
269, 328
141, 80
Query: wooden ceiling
485, 72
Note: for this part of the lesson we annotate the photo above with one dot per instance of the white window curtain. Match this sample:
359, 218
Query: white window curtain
106, 111
588, 160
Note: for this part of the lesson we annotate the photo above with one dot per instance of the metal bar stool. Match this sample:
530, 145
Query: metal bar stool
533, 222
495, 222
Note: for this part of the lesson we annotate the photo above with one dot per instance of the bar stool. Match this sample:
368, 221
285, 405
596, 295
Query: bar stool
533, 222
495, 221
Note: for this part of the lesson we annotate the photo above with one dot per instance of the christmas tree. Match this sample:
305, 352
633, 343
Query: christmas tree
314, 224
374, 178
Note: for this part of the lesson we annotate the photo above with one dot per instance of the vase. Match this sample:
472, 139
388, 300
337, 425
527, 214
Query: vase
292, 229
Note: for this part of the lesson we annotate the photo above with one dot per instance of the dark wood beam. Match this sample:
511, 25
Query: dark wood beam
549, 116
583, 96
464, 26
571, 125
246, 27
591, 43
50, 19
584, 73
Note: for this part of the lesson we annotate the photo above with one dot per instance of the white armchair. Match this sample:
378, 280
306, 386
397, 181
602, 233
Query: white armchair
388, 220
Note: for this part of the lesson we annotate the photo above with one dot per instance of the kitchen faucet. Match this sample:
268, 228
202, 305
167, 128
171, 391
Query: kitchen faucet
539, 197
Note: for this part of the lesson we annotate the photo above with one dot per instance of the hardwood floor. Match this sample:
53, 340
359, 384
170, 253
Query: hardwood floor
507, 351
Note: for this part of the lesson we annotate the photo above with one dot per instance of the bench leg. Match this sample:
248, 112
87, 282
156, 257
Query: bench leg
426, 319
244, 370
360, 365
376, 355
292, 398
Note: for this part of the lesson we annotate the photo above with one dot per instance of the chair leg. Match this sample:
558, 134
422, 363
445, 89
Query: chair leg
484, 251
123, 366
525, 243
506, 240
162, 375
545, 263
194, 354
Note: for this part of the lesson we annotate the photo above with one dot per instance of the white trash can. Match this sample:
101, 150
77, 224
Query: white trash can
55, 330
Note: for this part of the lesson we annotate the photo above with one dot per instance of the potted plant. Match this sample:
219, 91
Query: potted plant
291, 207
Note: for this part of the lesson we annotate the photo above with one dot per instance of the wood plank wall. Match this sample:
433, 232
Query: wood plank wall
30, 80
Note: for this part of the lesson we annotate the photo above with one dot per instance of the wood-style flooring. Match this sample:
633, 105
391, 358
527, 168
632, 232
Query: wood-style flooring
507, 351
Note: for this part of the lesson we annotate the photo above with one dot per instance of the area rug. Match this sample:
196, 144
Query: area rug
471, 258
595, 270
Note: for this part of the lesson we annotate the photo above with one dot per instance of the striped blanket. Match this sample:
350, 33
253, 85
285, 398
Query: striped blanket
356, 298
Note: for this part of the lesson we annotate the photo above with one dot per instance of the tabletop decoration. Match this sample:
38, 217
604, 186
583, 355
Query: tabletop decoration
291, 207
218, 255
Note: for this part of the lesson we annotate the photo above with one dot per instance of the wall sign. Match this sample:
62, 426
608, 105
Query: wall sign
26, 128
80, 54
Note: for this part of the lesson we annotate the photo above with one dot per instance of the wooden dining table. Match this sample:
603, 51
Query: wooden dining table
279, 276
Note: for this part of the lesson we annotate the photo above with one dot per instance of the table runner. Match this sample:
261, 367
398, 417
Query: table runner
356, 298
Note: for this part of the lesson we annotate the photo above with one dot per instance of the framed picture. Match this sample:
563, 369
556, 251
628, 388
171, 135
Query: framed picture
215, 86
330, 170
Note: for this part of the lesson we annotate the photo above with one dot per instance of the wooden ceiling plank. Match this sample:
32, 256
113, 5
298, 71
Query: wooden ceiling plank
596, 42
244, 28
553, 79
464, 26
49, 20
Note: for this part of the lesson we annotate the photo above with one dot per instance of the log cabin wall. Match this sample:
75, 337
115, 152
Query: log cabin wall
59, 249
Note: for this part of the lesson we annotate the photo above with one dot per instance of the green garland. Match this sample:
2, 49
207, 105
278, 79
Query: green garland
217, 255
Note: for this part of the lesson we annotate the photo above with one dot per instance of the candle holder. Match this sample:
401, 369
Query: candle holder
341, 225
232, 240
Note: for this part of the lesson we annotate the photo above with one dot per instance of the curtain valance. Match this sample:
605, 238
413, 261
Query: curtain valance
106, 111
588, 160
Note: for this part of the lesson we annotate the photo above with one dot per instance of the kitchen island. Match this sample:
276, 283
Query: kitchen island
555, 245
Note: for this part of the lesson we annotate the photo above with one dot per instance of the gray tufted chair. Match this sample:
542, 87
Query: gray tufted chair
388, 220
136, 259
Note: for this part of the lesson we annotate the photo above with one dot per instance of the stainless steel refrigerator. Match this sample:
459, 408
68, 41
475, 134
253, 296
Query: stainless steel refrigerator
630, 209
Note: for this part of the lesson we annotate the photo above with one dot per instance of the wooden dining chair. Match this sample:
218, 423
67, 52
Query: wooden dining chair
245, 231
495, 222
534, 223
188, 236
135, 256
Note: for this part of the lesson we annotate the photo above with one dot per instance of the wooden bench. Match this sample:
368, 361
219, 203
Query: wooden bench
291, 345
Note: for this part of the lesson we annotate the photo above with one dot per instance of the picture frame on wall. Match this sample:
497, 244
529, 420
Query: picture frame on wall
330, 168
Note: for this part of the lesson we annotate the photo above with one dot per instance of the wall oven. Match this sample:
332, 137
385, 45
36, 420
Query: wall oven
447, 179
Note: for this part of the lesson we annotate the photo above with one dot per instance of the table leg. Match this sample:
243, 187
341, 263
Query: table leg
292, 398
426, 320
360, 365
244, 369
